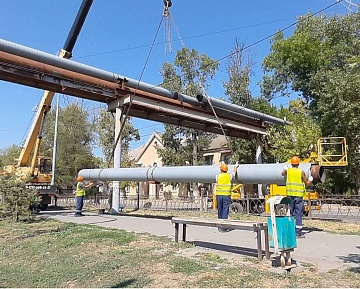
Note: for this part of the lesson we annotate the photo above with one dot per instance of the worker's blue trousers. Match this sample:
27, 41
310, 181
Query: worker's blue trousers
79, 204
223, 204
296, 210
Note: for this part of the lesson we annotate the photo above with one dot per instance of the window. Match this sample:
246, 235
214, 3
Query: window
209, 160
226, 158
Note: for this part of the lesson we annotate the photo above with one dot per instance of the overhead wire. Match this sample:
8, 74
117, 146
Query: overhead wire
275, 33
246, 47
167, 29
123, 120
240, 50
219, 60
184, 38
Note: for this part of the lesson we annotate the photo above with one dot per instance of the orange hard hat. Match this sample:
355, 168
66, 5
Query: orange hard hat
295, 160
224, 167
79, 178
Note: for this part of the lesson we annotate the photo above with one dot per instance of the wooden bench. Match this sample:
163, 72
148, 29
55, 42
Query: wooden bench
225, 224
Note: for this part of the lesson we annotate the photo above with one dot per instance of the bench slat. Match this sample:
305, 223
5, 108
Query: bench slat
223, 223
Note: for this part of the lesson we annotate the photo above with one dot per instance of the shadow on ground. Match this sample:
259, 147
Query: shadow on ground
226, 248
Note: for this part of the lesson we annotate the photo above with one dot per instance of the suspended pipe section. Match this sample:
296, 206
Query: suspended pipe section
246, 174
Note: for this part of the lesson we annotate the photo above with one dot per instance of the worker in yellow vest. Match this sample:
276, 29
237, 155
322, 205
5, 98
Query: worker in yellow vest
295, 189
223, 191
80, 194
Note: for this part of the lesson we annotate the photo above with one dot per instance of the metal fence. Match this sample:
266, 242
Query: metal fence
331, 207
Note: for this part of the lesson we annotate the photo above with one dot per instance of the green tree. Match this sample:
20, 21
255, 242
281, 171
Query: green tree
297, 138
15, 199
9, 155
189, 75
105, 129
75, 142
314, 62
338, 112
239, 70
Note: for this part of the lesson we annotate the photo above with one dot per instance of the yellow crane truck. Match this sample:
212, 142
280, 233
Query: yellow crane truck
38, 169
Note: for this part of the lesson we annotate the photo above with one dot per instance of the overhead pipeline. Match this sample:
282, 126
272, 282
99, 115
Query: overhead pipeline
219, 105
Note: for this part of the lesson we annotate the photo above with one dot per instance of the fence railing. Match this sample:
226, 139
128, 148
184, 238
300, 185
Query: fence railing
338, 207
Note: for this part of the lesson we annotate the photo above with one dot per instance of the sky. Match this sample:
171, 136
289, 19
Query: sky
117, 37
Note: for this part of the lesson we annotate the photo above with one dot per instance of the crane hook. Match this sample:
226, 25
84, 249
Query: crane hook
167, 4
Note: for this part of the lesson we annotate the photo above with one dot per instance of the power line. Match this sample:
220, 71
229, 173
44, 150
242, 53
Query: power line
185, 38
246, 47
282, 30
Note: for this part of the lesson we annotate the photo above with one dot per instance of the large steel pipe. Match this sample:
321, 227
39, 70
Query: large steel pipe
246, 174
219, 105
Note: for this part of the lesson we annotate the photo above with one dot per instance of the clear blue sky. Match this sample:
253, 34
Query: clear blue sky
117, 36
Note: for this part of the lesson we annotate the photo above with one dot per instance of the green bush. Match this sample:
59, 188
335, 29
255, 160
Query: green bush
16, 200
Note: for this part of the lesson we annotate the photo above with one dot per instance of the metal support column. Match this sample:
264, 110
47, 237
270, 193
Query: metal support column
117, 163
259, 161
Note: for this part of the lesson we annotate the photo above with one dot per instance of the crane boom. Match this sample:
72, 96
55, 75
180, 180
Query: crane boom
38, 173
33, 140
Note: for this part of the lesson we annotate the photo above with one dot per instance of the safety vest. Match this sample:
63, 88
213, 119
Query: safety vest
295, 186
80, 192
223, 185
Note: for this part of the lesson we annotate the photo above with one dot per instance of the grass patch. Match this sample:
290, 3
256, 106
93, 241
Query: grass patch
185, 265
49, 253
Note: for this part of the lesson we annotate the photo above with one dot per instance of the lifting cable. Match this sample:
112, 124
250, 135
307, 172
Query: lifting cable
168, 20
350, 5
167, 27
204, 94
124, 119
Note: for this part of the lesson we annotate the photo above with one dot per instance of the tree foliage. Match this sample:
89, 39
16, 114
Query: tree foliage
9, 155
314, 62
105, 129
15, 199
75, 142
282, 142
318, 42
189, 74
239, 71
297, 138
338, 112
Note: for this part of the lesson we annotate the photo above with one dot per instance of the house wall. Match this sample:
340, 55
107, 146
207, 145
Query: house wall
148, 159
150, 155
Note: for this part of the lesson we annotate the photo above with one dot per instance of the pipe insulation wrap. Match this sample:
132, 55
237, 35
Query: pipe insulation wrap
246, 174
46, 58
54, 60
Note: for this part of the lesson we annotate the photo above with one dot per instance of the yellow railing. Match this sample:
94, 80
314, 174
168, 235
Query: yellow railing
332, 152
